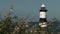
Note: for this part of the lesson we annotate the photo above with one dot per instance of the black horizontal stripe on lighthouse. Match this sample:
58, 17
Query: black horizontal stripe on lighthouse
43, 19
43, 9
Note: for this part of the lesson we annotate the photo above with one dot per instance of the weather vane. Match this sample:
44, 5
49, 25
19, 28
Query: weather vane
43, 1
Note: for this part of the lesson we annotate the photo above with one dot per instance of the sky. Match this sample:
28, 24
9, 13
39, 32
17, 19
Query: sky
24, 8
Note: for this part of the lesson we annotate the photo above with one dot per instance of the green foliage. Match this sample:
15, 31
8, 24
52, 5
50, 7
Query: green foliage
14, 25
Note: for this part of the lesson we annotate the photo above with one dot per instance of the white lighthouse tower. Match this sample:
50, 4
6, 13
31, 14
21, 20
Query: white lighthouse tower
43, 20
43, 16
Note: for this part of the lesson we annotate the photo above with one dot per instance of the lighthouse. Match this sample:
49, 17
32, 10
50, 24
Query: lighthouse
43, 20
43, 16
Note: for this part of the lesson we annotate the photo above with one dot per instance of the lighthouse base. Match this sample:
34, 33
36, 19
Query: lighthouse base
43, 28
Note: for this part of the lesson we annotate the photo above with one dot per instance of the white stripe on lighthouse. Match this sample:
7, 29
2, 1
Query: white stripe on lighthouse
43, 24
42, 14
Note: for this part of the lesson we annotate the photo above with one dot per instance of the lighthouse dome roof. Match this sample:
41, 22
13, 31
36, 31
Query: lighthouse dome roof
42, 5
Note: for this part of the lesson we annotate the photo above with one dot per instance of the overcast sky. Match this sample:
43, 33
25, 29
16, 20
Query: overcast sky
31, 8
